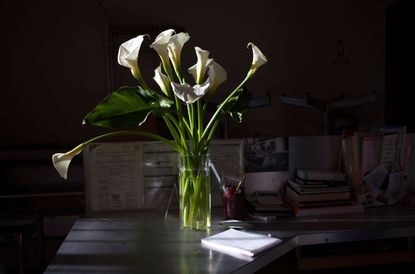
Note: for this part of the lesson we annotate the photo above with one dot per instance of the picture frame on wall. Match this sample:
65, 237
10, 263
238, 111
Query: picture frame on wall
339, 51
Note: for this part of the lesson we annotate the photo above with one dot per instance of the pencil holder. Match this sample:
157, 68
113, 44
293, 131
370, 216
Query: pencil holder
233, 205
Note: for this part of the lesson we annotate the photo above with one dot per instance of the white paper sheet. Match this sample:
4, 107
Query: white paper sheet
240, 242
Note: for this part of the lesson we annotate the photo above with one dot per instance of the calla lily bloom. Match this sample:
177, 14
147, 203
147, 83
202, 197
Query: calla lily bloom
199, 69
160, 44
128, 55
175, 47
258, 58
217, 75
189, 94
61, 161
162, 80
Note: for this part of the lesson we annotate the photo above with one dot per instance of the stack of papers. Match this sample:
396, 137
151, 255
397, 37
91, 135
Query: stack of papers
240, 242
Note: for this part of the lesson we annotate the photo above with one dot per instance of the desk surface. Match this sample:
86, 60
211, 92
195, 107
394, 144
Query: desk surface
144, 242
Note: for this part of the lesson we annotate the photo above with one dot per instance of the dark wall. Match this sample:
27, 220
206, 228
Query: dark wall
400, 59
54, 59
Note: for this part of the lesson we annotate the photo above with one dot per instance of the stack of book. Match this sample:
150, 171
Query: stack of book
319, 192
266, 206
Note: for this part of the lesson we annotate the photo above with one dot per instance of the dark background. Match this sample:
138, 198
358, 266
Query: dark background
58, 58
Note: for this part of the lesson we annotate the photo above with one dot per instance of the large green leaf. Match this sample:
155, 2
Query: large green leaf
127, 107
238, 104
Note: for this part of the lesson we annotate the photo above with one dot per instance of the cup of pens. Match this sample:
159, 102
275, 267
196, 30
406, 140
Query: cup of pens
233, 198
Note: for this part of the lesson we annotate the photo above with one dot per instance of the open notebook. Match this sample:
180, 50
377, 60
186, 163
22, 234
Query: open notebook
240, 242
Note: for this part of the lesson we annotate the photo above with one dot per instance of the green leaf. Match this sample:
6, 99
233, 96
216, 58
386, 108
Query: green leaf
238, 104
127, 107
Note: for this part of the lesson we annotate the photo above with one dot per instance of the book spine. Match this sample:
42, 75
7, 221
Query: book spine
320, 183
311, 197
318, 188
323, 210
321, 175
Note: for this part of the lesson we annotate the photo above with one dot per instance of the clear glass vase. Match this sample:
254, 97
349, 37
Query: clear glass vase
194, 191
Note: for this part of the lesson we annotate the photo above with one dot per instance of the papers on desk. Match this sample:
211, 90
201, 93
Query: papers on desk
133, 175
237, 242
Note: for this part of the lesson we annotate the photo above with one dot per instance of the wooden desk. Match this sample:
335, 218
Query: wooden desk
145, 243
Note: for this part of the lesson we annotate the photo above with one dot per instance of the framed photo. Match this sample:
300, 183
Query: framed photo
266, 154
339, 51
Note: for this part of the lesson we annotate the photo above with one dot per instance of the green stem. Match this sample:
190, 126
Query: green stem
137, 75
199, 120
207, 142
194, 128
182, 122
178, 70
181, 131
184, 129
190, 115
173, 130
167, 69
217, 114
187, 126
194, 192
143, 84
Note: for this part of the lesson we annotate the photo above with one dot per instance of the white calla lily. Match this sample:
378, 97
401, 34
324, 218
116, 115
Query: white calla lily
128, 55
161, 42
189, 94
199, 69
61, 161
162, 80
175, 47
258, 58
192, 71
217, 75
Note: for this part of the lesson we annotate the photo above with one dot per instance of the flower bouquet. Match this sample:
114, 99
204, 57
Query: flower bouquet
182, 107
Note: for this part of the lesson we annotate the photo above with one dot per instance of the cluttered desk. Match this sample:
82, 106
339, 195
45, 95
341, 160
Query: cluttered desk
144, 240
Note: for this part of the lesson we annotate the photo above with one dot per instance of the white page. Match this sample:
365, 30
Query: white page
371, 153
114, 176
389, 150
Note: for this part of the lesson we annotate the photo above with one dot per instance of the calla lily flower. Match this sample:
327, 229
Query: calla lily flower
199, 69
162, 80
160, 44
128, 55
61, 161
175, 47
189, 94
258, 58
217, 75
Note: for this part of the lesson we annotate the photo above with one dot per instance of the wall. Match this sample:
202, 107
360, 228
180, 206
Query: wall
54, 58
